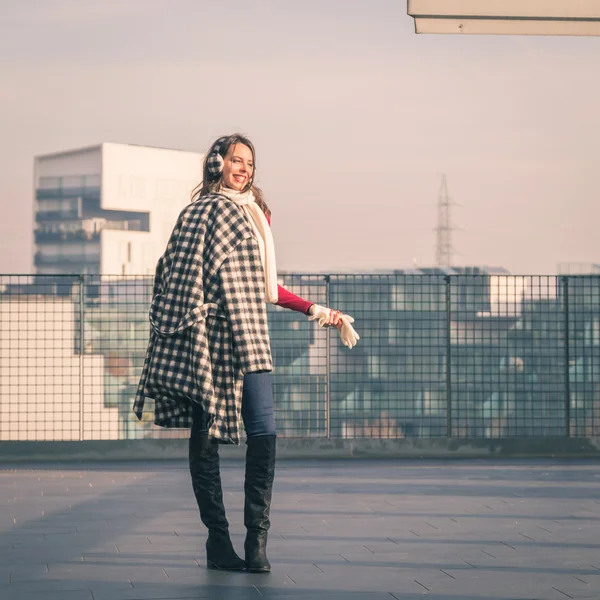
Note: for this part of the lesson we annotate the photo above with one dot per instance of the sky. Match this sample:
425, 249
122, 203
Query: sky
354, 117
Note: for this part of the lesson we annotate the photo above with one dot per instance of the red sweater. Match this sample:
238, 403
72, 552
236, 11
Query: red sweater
288, 300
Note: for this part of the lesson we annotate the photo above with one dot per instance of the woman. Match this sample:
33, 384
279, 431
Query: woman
209, 357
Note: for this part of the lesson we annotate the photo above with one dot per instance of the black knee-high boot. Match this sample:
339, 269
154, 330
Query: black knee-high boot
206, 482
258, 487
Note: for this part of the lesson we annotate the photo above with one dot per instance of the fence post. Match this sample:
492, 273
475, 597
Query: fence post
448, 358
328, 368
81, 352
567, 407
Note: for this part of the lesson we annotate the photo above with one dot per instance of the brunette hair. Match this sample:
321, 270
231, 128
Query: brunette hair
211, 183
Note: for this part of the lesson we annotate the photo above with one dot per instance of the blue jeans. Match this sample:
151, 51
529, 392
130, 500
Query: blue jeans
258, 412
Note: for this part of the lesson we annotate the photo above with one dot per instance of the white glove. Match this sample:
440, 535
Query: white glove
325, 317
322, 314
348, 336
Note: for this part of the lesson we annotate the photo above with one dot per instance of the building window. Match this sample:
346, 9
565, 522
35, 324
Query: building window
58, 206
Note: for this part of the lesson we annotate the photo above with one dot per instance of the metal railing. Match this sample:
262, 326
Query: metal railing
461, 356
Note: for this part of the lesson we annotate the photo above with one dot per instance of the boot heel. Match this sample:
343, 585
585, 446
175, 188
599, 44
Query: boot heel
211, 566
220, 554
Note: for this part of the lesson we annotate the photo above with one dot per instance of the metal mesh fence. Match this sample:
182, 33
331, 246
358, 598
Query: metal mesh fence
393, 383
507, 354
465, 356
582, 298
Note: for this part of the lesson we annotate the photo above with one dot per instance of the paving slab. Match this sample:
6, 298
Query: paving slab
353, 529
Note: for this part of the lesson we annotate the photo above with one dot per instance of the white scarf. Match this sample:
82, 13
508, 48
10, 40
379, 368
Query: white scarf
263, 234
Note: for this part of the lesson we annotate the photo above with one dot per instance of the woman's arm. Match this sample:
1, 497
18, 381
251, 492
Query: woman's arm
323, 315
288, 300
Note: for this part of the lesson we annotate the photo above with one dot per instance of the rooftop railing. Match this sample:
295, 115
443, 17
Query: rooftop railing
440, 356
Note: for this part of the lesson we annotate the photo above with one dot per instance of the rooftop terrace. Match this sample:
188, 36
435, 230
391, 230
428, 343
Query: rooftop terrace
357, 529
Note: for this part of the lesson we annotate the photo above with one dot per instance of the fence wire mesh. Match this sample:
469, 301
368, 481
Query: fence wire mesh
465, 356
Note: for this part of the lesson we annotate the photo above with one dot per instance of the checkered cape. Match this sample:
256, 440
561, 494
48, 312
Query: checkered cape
208, 320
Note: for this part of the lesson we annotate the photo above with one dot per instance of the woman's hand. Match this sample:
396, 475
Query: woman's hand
326, 317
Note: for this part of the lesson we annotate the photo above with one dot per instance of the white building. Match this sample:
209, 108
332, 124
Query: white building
109, 209
48, 390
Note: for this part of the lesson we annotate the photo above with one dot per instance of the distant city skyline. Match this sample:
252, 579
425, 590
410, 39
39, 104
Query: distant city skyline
355, 119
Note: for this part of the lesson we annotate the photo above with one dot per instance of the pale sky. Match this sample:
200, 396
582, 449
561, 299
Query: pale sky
355, 119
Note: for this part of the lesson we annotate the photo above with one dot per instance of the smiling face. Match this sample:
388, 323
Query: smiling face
238, 166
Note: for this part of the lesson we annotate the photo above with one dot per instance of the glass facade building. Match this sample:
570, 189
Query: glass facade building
109, 208
69, 220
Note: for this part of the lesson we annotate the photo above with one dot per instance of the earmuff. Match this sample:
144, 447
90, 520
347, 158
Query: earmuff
214, 162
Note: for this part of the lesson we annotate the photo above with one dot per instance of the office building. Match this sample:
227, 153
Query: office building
109, 209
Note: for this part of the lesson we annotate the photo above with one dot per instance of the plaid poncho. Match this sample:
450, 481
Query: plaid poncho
208, 319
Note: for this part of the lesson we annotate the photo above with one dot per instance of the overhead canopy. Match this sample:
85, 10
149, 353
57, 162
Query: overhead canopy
507, 17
